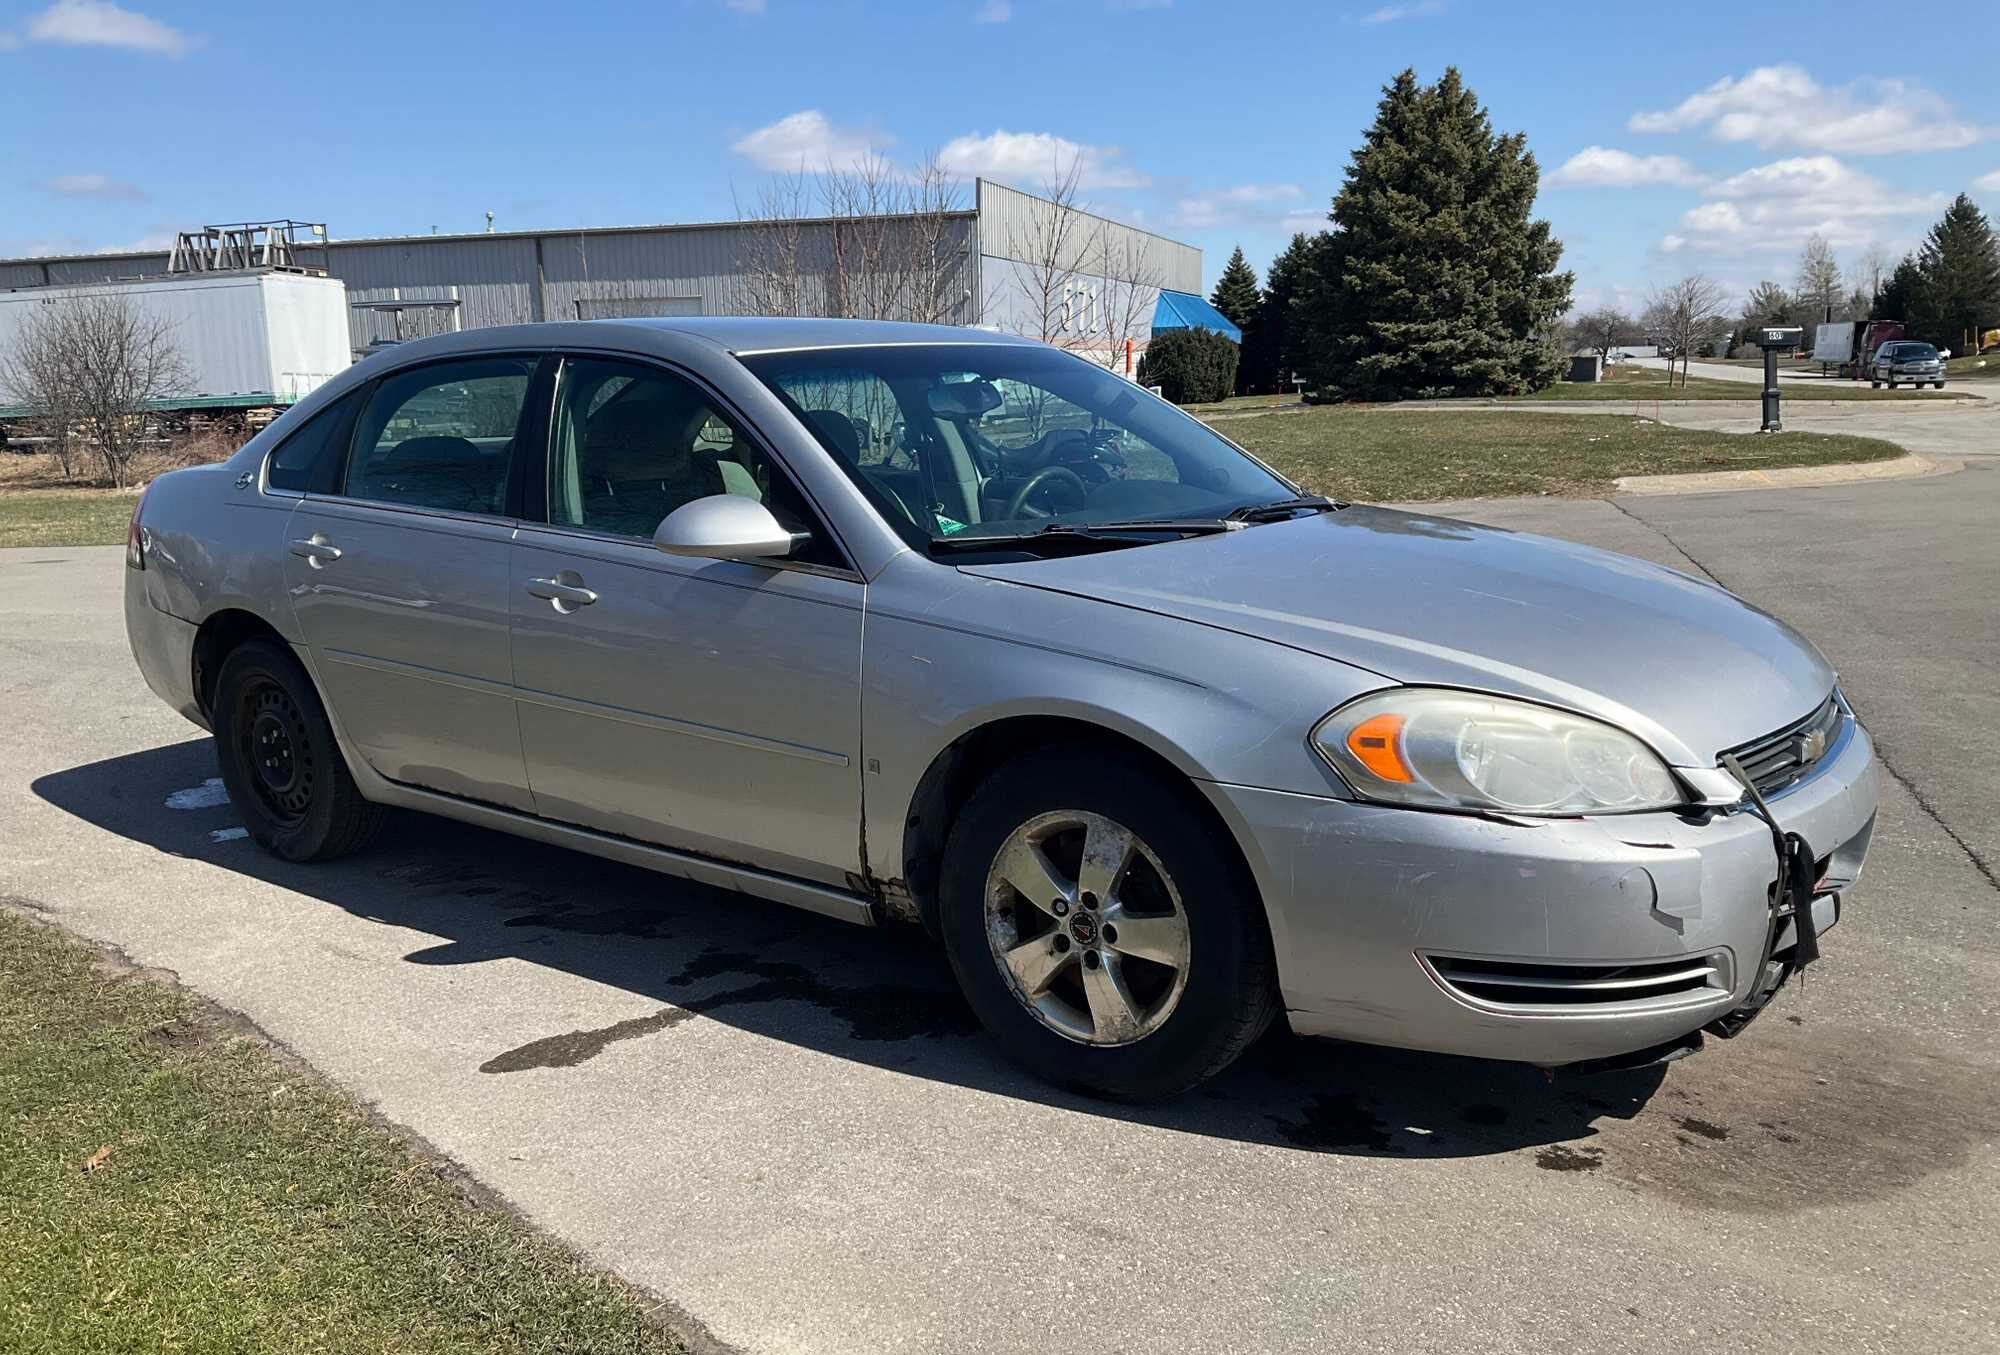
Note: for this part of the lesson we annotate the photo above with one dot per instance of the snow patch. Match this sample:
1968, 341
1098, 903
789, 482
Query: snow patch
228, 834
207, 795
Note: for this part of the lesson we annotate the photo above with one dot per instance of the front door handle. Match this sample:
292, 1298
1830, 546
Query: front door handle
562, 594
316, 550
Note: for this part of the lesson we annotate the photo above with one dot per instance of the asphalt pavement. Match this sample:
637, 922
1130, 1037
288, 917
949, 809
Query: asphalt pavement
789, 1128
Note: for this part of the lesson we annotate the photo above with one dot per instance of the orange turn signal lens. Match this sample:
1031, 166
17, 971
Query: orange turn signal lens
1377, 745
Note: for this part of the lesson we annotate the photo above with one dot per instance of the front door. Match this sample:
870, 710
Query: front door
710, 706
399, 579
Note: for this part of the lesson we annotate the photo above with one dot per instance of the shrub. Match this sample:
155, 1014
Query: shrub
1190, 366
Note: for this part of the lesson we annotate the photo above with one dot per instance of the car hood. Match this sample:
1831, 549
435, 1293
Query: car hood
1683, 664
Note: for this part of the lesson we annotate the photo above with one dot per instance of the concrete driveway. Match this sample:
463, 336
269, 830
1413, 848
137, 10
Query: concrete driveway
789, 1128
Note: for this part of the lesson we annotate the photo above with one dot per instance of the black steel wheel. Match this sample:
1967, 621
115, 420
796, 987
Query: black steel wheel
280, 763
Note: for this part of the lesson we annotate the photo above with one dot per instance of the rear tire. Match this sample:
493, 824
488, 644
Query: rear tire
280, 763
1102, 843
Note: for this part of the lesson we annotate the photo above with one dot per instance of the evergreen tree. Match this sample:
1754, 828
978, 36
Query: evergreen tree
1960, 264
1901, 294
1439, 280
1267, 354
1236, 293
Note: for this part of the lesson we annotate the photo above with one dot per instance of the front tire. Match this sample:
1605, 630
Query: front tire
280, 764
1103, 929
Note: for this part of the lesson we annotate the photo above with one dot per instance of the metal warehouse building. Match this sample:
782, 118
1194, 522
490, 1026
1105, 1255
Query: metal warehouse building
1011, 262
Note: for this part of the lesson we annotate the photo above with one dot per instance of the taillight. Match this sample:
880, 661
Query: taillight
135, 534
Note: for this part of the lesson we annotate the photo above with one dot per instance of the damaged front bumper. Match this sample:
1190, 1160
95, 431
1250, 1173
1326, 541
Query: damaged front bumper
1553, 942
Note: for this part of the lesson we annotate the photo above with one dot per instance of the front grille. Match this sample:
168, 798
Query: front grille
1780, 758
1517, 983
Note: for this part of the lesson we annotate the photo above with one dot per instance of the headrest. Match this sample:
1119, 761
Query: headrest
434, 454
838, 430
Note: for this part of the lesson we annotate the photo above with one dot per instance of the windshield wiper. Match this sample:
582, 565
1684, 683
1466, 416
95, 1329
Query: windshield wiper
1283, 508
1058, 535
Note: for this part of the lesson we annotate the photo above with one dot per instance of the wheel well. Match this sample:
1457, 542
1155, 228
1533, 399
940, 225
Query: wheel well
213, 641
957, 772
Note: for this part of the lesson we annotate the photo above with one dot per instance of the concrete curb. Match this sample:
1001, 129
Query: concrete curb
1785, 477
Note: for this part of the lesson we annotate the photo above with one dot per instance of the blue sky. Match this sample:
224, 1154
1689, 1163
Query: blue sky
1672, 140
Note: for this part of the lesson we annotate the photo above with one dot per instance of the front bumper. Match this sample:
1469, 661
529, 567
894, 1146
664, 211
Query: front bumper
1519, 939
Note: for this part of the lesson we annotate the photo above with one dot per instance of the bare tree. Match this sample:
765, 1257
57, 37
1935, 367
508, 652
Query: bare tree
1129, 290
92, 365
41, 374
1602, 329
1049, 244
1686, 316
867, 240
1818, 284
772, 267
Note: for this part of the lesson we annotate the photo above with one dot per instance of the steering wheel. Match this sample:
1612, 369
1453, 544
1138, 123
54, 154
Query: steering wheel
1047, 475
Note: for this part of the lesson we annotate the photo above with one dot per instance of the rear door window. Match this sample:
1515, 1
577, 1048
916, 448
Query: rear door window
441, 436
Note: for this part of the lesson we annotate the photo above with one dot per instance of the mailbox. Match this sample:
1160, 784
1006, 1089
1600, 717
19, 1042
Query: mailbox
1775, 339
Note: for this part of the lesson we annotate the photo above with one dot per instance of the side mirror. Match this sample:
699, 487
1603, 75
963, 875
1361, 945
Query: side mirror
725, 527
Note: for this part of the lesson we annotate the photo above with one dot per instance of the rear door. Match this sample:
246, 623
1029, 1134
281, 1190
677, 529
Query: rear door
707, 705
399, 577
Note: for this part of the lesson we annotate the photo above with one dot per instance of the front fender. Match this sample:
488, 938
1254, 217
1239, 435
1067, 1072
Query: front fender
947, 653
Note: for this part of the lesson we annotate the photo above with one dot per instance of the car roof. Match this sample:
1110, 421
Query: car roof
770, 334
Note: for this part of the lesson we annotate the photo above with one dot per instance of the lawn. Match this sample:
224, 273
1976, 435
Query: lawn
64, 517
167, 1183
1650, 383
1386, 454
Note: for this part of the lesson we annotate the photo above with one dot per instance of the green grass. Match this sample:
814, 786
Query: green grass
1245, 404
1389, 455
1984, 367
238, 1204
1648, 383
64, 517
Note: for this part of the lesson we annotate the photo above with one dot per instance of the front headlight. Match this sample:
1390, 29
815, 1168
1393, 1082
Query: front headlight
1458, 750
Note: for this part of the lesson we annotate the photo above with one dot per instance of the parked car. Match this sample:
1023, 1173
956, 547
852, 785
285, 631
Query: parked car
1160, 748
1907, 361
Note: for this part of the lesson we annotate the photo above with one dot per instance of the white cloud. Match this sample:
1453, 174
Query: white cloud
1776, 206
99, 186
807, 140
99, 23
1031, 159
1243, 204
1416, 9
1785, 106
1604, 167
994, 12
1989, 182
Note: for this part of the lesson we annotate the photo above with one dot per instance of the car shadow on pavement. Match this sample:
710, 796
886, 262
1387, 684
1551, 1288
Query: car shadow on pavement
881, 996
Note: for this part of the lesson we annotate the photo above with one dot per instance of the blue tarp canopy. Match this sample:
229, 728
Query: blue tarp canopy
1180, 310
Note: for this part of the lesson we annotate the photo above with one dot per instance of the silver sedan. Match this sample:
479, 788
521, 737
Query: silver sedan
904, 623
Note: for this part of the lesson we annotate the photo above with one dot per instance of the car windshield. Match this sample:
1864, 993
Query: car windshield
1914, 352
979, 440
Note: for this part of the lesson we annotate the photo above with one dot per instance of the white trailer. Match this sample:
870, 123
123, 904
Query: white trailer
253, 341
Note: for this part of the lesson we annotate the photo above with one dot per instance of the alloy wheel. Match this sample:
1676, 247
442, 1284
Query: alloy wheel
1087, 928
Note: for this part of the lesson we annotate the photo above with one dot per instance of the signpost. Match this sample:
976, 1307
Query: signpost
1775, 340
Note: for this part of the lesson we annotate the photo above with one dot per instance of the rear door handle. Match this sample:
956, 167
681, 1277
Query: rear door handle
316, 550
564, 597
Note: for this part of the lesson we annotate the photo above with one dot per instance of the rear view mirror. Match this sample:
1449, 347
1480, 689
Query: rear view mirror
724, 527
964, 399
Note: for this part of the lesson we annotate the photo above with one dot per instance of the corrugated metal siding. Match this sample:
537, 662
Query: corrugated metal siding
1009, 220
499, 279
